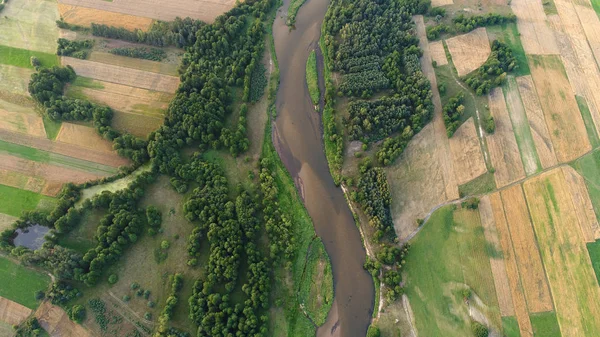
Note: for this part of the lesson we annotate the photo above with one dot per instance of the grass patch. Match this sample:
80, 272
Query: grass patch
590, 128
81, 238
22, 57
510, 326
545, 324
549, 7
483, 184
589, 167
450, 88
509, 34
316, 290
452, 246
293, 9
594, 251
86, 82
52, 127
14, 201
312, 78
19, 284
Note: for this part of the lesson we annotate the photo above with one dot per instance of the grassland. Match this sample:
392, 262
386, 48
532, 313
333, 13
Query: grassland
510, 327
316, 292
594, 252
312, 78
509, 34
483, 184
30, 24
81, 238
22, 57
545, 325
19, 283
590, 128
589, 167
14, 201
596, 5
459, 261
52, 127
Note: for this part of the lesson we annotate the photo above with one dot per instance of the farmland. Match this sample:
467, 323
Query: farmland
19, 283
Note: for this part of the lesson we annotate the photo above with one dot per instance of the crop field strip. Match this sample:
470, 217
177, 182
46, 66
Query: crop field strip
438, 53
57, 323
83, 136
502, 145
83, 16
466, 153
205, 10
19, 283
576, 292
139, 64
22, 122
31, 25
13, 313
14, 79
469, 51
535, 34
583, 205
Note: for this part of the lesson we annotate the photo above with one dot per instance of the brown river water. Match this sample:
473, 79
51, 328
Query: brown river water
297, 135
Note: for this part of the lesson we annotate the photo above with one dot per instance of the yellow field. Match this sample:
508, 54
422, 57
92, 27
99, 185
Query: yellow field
130, 62
469, 51
83, 16
466, 153
535, 34
13, 313
438, 54
22, 122
83, 136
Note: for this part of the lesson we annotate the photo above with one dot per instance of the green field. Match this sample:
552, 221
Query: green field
594, 251
510, 326
509, 34
41, 156
316, 291
312, 78
589, 167
590, 128
448, 256
596, 5
14, 201
545, 325
21, 57
483, 184
30, 24
19, 283
52, 127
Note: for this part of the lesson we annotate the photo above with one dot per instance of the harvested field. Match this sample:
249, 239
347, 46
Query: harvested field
512, 270
122, 75
516, 110
501, 282
6, 221
57, 323
13, 313
537, 122
563, 118
21, 181
30, 24
437, 3
584, 209
205, 10
21, 122
563, 250
591, 25
528, 258
83, 136
466, 153
502, 145
84, 16
535, 34
109, 159
469, 51
135, 63
136, 124
14, 80
438, 53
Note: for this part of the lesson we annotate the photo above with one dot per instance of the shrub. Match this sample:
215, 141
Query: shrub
152, 54
373, 331
77, 313
35, 62
164, 244
148, 316
471, 203
151, 304
134, 286
126, 298
40, 295
479, 330
489, 125
113, 278
147, 294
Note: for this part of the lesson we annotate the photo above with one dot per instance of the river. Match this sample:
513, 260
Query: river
297, 135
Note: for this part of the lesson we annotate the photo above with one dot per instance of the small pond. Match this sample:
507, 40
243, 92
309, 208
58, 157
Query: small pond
31, 237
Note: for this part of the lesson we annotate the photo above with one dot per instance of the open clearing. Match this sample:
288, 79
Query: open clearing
438, 53
21, 122
122, 75
30, 24
469, 51
19, 283
516, 287
563, 118
563, 250
135, 63
537, 122
83, 136
83, 16
13, 313
205, 10
466, 153
535, 34
526, 253
57, 323
502, 145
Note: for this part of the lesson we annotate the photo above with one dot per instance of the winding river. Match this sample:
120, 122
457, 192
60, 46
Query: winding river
297, 135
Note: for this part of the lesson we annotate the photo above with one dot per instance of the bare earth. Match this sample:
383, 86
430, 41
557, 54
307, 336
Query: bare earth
469, 51
13, 313
83, 16
57, 323
466, 153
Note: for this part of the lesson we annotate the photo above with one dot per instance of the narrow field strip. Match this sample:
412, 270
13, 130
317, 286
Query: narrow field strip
19, 284
139, 64
583, 205
57, 323
14, 80
574, 287
466, 153
13, 313
536, 36
30, 25
6, 221
84, 136
589, 121
83, 16
22, 57
31, 124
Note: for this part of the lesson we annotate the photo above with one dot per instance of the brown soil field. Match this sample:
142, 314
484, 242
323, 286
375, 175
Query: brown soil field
83, 16
563, 118
83, 136
14, 80
469, 51
110, 159
6, 221
136, 124
501, 283
526, 252
565, 256
537, 122
502, 145
438, 53
535, 34
135, 63
122, 75
466, 153
13, 313
22, 181
437, 3
516, 288
57, 323
584, 209
205, 10
21, 122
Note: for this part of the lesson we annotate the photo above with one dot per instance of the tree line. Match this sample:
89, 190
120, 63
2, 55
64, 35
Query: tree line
494, 71
152, 54
463, 24
75, 48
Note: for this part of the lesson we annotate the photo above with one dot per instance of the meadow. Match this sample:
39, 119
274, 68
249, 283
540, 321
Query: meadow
312, 78
19, 283
14, 201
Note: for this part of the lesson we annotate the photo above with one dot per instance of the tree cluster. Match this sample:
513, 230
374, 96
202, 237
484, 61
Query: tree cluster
167, 312
493, 72
75, 48
453, 110
152, 54
464, 24
374, 197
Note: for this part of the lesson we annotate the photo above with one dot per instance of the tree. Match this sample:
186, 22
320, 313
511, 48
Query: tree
77, 313
373, 331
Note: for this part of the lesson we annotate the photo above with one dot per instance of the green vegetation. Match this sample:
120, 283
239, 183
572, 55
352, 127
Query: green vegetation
510, 326
485, 183
594, 251
453, 111
596, 5
588, 121
509, 34
52, 127
86, 82
293, 9
19, 284
545, 324
589, 167
152, 54
312, 78
316, 290
77, 48
459, 262
494, 71
449, 87
550, 7
464, 24
14, 201
22, 57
